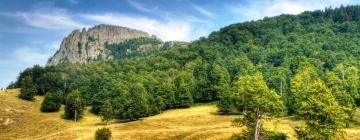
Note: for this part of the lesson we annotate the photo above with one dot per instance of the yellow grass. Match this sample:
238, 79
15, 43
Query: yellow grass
23, 120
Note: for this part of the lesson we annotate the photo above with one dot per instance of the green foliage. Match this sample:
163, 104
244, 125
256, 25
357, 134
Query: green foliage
136, 105
28, 90
52, 102
74, 106
131, 48
315, 103
106, 112
255, 99
103, 134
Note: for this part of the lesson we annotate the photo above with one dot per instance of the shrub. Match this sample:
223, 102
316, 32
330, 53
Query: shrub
52, 102
28, 89
103, 134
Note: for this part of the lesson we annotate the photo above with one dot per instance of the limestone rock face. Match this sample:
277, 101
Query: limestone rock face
89, 45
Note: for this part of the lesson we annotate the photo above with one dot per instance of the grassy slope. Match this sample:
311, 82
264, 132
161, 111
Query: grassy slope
22, 120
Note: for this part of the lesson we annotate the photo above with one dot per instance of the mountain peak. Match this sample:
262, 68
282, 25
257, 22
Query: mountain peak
88, 45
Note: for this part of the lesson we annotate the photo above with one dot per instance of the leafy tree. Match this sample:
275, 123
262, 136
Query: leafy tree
28, 90
74, 106
103, 134
160, 103
315, 103
220, 80
52, 102
338, 90
255, 100
107, 112
183, 93
136, 105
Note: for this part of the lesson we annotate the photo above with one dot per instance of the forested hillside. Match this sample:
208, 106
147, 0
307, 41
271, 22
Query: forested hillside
305, 65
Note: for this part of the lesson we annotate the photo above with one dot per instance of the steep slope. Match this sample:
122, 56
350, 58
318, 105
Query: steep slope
88, 45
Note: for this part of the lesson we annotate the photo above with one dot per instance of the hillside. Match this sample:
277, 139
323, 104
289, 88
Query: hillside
198, 122
304, 65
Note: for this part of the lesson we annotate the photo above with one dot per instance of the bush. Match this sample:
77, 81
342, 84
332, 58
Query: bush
103, 134
52, 102
27, 94
28, 89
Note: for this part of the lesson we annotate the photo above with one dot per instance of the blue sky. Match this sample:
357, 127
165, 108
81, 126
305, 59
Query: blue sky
32, 30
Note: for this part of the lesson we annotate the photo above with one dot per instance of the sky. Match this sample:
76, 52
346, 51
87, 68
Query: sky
31, 30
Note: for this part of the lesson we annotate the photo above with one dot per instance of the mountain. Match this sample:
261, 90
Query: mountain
89, 45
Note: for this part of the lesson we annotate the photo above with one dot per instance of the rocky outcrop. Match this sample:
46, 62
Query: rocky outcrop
88, 45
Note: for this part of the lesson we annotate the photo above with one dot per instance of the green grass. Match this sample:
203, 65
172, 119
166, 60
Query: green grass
196, 123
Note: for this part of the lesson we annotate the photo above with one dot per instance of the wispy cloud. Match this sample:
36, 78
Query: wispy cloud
55, 18
203, 10
167, 30
139, 6
36, 53
259, 9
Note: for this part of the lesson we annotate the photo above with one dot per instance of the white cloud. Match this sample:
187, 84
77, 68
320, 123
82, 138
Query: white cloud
203, 11
167, 30
29, 56
54, 18
36, 53
260, 9
139, 6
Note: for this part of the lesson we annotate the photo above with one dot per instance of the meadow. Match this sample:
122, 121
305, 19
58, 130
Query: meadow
20, 119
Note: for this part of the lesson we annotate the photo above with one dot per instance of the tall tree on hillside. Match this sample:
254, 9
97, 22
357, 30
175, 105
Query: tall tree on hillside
74, 106
315, 103
219, 79
350, 79
183, 94
338, 90
106, 112
136, 105
256, 100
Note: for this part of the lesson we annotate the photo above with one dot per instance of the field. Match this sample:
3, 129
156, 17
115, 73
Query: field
22, 120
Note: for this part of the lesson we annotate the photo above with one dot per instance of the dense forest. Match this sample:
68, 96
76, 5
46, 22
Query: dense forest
304, 65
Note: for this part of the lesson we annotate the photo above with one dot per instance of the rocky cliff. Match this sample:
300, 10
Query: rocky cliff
88, 45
